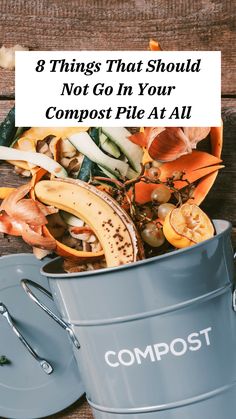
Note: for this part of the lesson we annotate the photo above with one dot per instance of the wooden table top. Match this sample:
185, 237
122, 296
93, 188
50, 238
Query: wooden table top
127, 25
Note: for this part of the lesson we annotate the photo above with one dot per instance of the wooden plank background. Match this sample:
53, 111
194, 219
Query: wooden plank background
121, 25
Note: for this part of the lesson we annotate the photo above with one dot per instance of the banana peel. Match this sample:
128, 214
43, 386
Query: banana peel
114, 228
62, 249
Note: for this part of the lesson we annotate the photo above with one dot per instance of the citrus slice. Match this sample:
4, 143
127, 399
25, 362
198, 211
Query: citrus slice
187, 225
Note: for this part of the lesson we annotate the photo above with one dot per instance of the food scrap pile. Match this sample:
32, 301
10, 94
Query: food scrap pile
105, 196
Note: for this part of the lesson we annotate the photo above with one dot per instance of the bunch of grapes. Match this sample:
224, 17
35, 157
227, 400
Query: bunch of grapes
151, 231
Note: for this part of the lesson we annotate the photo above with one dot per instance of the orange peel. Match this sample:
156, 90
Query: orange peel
4, 192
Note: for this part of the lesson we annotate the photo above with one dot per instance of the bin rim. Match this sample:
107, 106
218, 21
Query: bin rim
223, 226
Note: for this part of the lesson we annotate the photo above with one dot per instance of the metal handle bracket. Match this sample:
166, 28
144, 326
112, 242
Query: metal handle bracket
25, 284
45, 365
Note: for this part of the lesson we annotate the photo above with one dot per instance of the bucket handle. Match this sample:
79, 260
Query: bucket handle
25, 284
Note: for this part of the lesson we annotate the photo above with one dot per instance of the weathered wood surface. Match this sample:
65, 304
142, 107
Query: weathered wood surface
79, 410
121, 25
221, 201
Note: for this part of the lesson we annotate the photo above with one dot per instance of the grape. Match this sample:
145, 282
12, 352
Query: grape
153, 173
164, 209
156, 163
146, 212
161, 194
153, 235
